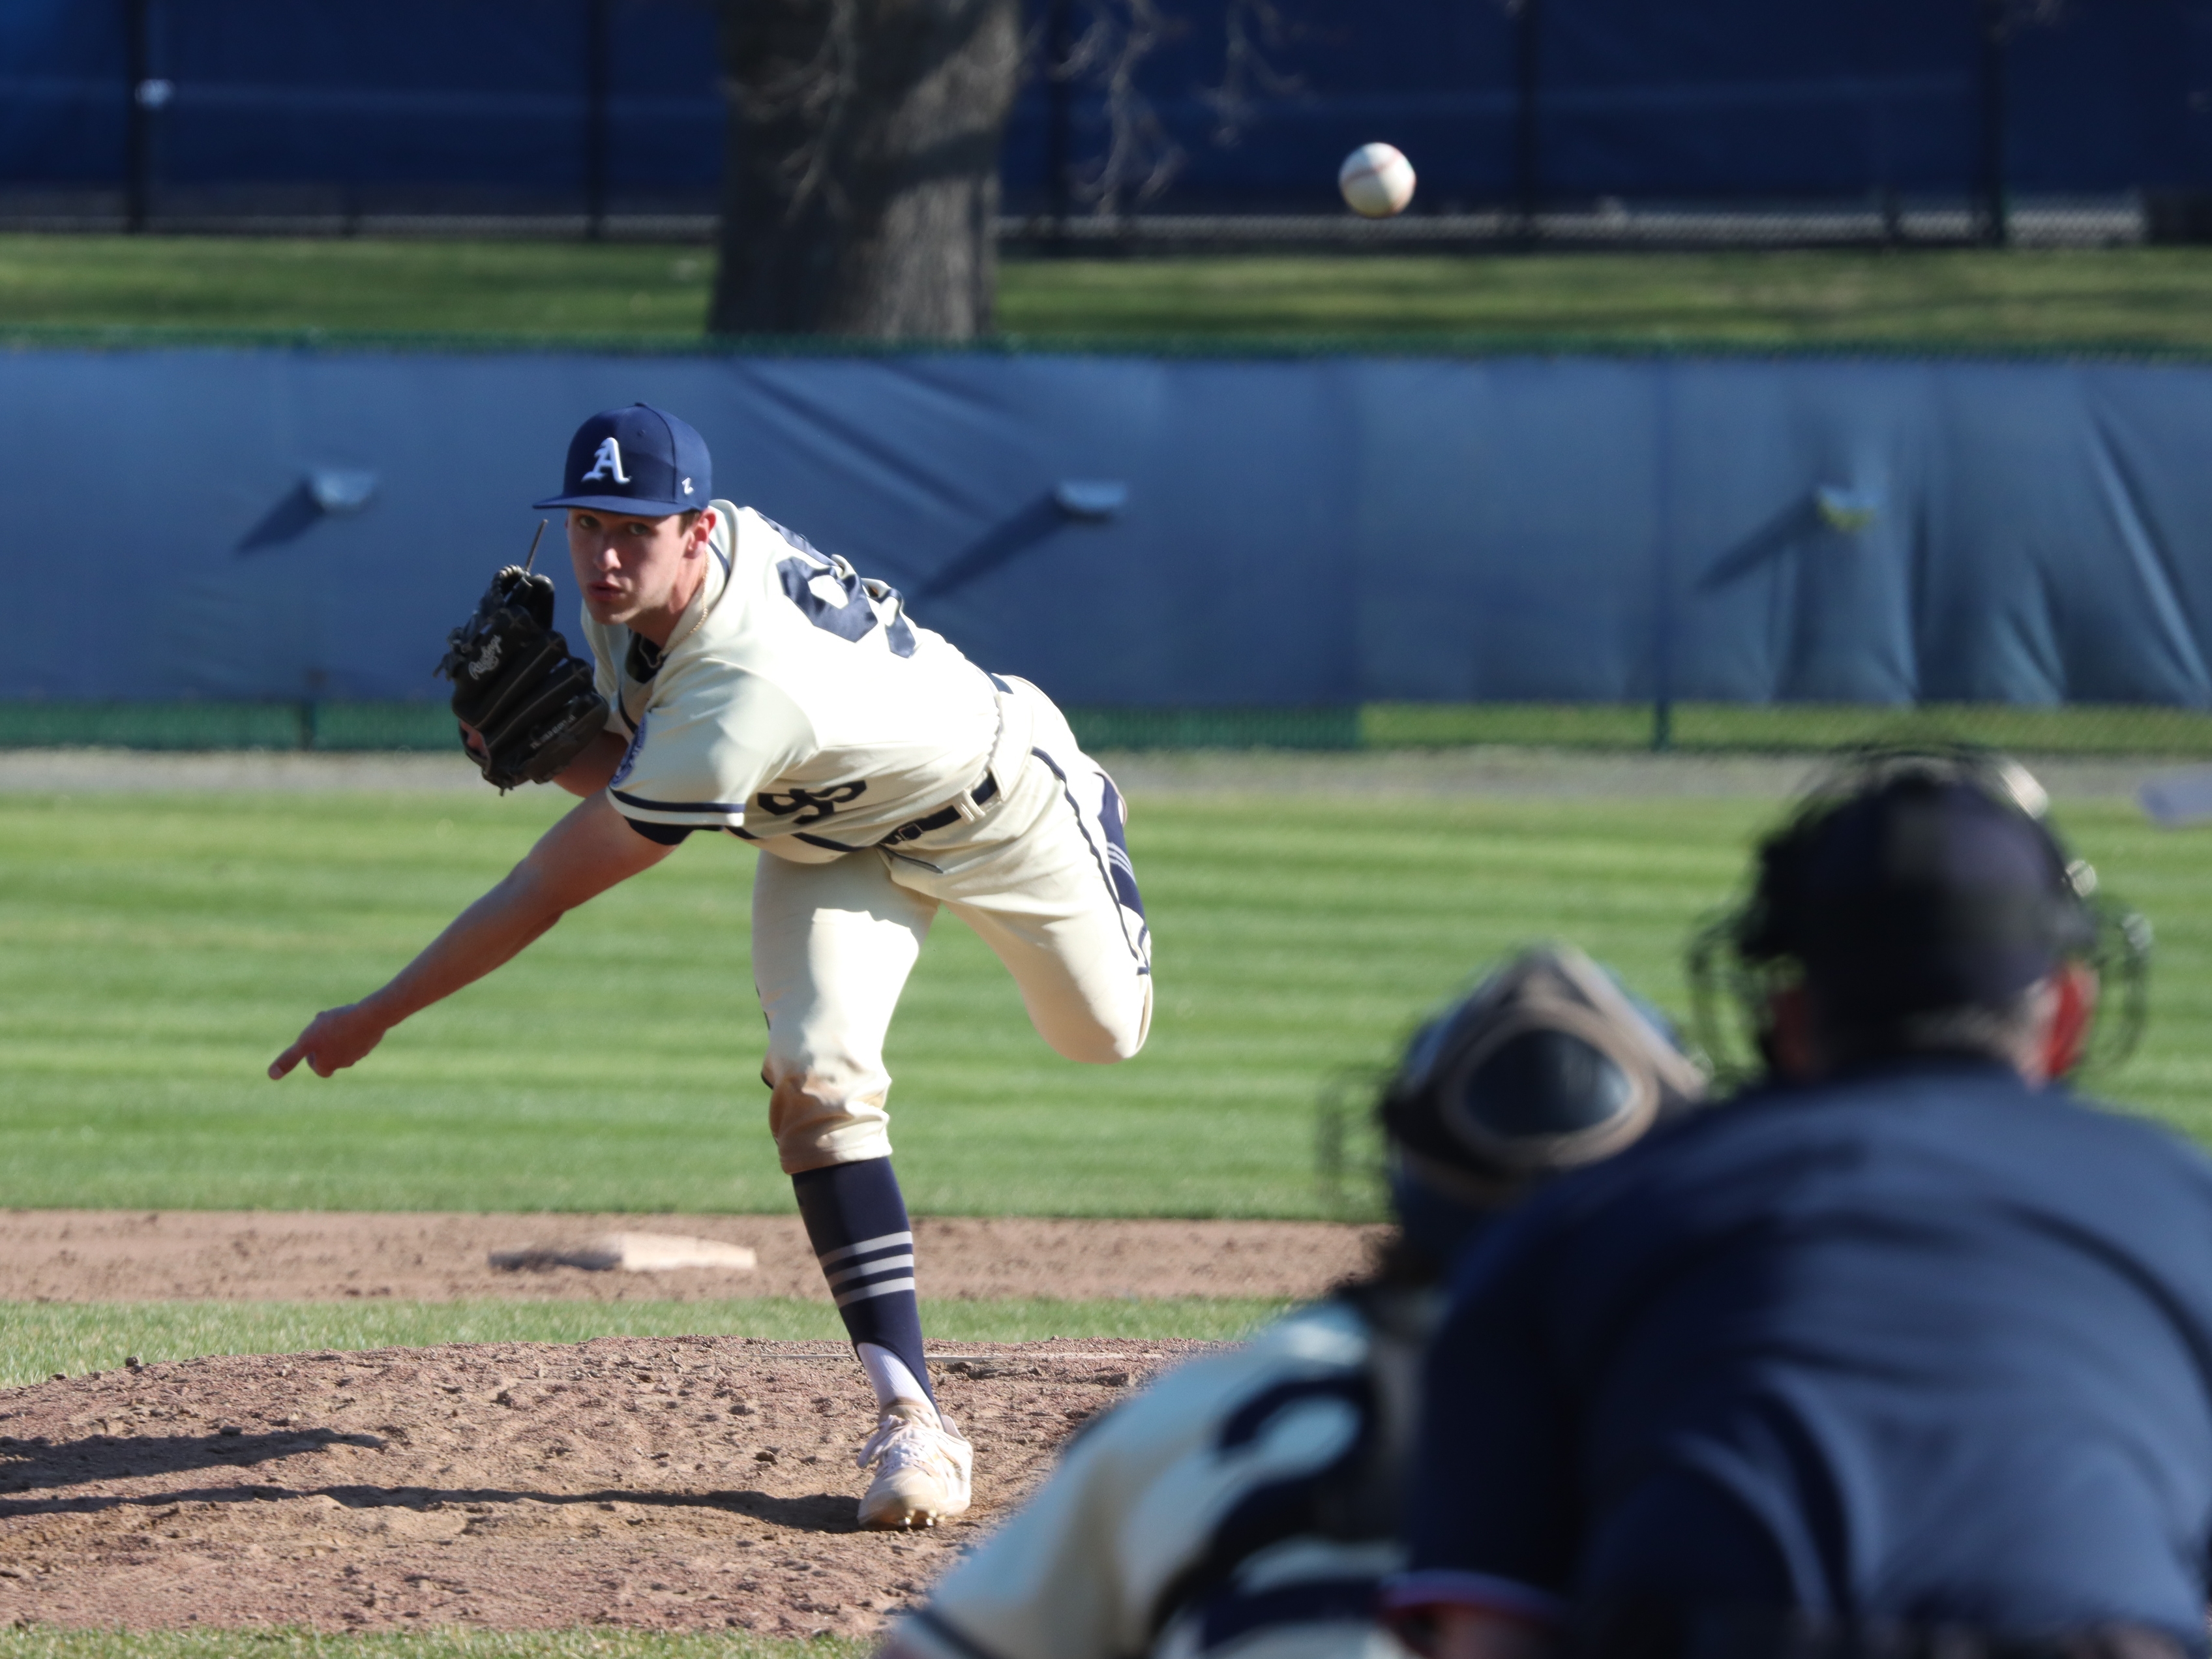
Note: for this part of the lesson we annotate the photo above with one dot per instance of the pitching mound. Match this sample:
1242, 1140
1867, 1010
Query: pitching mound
135, 1255
694, 1483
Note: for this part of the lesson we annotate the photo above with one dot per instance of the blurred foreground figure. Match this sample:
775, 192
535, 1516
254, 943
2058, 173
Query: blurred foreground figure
1906, 1352
1249, 1501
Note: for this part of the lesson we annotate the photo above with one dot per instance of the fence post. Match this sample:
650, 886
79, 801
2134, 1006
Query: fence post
1990, 186
1662, 558
311, 714
1528, 155
598, 42
139, 105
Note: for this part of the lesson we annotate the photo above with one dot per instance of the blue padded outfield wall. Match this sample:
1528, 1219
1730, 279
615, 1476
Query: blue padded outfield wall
1294, 532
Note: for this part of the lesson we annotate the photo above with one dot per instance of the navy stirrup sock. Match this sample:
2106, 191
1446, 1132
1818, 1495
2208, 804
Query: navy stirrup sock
857, 1222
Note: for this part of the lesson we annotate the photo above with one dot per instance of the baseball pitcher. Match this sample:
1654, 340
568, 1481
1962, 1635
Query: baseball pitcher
742, 682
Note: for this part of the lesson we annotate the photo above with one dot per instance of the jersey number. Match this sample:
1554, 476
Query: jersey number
837, 599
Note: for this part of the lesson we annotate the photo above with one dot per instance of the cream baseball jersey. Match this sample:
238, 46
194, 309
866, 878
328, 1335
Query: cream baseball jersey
794, 705
1239, 1504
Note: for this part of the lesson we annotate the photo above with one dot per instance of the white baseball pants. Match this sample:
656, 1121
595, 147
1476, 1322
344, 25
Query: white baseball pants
1042, 876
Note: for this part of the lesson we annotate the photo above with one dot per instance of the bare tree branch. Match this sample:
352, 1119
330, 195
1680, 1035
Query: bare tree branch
1254, 27
1140, 160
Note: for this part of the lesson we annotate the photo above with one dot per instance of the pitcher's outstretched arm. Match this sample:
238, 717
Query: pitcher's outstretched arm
587, 852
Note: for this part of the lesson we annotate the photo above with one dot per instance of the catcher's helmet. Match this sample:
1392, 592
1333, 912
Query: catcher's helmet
1913, 880
1545, 1064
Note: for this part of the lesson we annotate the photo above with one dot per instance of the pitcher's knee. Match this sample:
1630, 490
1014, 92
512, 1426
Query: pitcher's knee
816, 1124
1107, 1035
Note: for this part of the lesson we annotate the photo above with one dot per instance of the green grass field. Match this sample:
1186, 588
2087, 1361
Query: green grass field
156, 951
2139, 296
2074, 729
155, 958
656, 295
38, 1339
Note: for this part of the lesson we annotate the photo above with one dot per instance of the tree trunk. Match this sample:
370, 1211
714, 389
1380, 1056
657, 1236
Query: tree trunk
862, 176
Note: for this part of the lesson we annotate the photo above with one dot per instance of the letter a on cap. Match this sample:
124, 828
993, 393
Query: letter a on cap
639, 461
607, 463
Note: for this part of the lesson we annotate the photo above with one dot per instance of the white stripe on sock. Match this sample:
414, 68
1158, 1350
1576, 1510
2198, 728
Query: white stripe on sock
863, 1293
887, 1265
863, 1247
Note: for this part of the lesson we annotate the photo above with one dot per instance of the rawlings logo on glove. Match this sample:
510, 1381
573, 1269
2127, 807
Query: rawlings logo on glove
527, 706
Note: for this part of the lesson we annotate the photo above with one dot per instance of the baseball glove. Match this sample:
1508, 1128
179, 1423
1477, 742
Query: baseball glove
527, 706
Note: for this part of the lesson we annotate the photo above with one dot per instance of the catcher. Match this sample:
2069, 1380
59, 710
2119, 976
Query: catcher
1248, 1502
1903, 1352
740, 682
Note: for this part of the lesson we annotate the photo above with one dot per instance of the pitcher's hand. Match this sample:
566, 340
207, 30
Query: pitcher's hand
334, 1039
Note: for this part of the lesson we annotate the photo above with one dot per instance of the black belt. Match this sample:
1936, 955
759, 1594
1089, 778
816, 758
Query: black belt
1653, 1630
986, 791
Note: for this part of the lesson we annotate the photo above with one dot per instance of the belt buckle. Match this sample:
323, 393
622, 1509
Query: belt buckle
950, 812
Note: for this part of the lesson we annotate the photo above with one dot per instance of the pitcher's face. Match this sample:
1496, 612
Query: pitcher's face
630, 568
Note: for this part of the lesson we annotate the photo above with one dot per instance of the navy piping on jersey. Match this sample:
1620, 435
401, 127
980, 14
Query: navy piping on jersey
1275, 1511
1105, 869
645, 805
951, 1634
1113, 818
1246, 1423
824, 840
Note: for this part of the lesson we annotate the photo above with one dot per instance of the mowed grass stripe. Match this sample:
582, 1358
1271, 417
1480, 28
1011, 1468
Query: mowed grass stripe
655, 296
38, 1339
1741, 296
155, 953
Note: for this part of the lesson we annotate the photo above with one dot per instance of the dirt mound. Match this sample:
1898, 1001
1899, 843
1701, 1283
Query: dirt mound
694, 1483
141, 1255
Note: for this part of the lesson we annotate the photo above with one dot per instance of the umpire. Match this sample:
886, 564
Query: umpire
1906, 1352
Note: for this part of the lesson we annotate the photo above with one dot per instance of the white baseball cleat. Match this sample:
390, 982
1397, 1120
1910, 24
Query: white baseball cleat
922, 1464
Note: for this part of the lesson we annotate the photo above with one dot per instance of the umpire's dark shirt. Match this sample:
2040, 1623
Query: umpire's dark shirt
1923, 1344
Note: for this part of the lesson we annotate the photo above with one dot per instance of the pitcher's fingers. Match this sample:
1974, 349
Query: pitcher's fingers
281, 1065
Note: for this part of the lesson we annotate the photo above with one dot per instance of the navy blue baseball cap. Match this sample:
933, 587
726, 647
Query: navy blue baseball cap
639, 460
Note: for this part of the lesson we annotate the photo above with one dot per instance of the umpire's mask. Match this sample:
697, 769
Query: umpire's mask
1547, 1065
1912, 881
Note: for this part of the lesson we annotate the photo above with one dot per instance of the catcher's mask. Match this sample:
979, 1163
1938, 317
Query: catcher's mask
1547, 1065
1912, 880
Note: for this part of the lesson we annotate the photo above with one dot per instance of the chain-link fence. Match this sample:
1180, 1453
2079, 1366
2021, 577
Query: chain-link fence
1612, 224
1154, 125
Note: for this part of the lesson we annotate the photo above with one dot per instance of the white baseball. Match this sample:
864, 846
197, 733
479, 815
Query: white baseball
1377, 179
